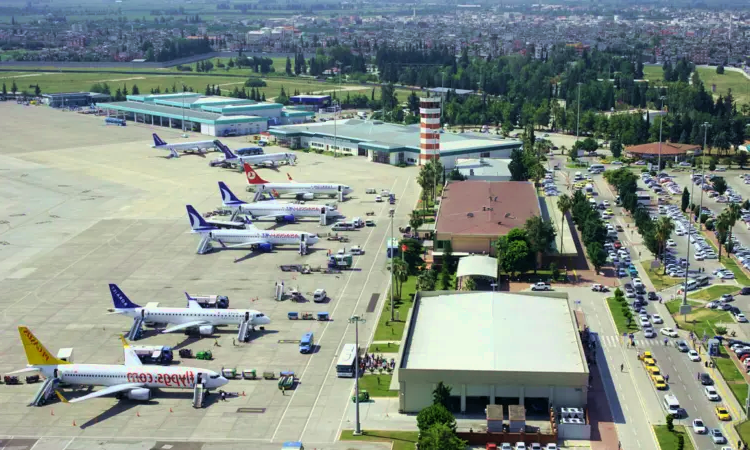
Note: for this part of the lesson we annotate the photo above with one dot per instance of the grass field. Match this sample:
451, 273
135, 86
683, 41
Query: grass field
377, 385
701, 321
668, 440
616, 309
714, 292
400, 440
658, 279
384, 348
731, 375
393, 331
743, 430
735, 81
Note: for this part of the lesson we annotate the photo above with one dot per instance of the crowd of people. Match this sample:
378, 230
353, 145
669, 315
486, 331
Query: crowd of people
375, 362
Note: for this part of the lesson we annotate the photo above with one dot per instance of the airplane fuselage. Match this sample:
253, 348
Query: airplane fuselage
272, 208
272, 237
261, 159
189, 146
296, 188
211, 316
150, 376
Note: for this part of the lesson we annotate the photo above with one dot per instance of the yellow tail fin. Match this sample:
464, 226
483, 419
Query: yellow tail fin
36, 354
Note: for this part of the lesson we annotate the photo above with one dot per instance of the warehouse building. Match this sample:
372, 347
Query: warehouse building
73, 99
473, 213
492, 348
211, 115
311, 101
388, 143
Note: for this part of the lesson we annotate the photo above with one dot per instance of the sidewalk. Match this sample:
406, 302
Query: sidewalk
603, 432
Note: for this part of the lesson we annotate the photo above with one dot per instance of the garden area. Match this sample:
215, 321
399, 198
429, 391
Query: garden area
388, 347
377, 385
676, 439
731, 375
713, 292
701, 321
621, 313
658, 278
388, 330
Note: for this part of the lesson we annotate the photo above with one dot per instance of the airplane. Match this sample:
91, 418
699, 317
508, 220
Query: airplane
185, 147
303, 191
281, 212
132, 379
267, 159
262, 240
194, 316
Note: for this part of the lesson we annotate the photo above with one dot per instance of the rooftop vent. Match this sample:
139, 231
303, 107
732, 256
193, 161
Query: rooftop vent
470, 215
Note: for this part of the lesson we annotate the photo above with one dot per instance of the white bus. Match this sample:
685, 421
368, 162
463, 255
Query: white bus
346, 362
644, 199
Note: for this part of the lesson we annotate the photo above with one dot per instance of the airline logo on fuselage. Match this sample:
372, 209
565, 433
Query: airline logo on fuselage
281, 235
186, 379
302, 208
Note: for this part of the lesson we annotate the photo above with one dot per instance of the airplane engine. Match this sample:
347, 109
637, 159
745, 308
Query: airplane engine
288, 218
206, 330
142, 394
265, 247
308, 196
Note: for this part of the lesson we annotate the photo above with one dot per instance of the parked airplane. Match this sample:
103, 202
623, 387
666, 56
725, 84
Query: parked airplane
281, 212
185, 147
194, 316
132, 379
263, 240
267, 159
305, 191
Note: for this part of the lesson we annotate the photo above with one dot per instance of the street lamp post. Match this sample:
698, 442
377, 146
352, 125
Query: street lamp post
356, 320
685, 307
661, 122
335, 127
705, 126
391, 212
578, 119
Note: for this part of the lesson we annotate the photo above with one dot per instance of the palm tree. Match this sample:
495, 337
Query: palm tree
564, 204
400, 273
664, 229
722, 226
733, 215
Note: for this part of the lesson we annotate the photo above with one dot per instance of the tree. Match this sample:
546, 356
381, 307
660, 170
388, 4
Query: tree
400, 274
720, 69
469, 284
415, 221
712, 165
541, 236
14, 88
440, 395
436, 413
448, 260
597, 255
427, 280
136, 91
616, 148
670, 423
517, 258
740, 157
517, 166
720, 185
5, 90
440, 437
685, 199
734, 213
37, 90
288, 68
446, 279
722, 229
663, 228
564, 203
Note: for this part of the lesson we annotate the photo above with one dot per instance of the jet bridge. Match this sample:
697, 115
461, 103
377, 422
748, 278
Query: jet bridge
45, 392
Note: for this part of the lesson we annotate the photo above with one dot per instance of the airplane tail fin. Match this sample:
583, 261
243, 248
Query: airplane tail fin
227, 196
248, 223
289, 177
189, 297
224, 149
36, 353
252, 176
119, 298
197, 223
158, 141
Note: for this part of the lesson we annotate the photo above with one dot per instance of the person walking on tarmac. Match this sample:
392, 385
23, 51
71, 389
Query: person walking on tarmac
622, 367
223, 396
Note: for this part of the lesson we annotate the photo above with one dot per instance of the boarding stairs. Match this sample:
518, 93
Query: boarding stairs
136, 330
45, 391
204, 245
242, 334
199, 394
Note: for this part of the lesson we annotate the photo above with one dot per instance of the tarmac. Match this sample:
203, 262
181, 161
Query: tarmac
83, 204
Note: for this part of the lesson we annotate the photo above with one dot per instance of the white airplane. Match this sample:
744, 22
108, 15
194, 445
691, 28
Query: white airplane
266, 159
132, 379
194, 316
262, 240
304, 191
185, 147
281, 212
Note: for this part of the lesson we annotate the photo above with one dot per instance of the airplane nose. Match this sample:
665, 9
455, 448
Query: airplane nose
221, 381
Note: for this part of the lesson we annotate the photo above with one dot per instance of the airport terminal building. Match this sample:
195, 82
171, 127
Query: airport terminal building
492, 348
210, 115
389, 143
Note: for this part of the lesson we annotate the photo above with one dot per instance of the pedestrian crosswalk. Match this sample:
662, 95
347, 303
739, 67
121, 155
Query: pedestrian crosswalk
619, 341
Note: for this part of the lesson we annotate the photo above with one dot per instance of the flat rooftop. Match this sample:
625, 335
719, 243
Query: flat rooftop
494, 331
476, 207
391, 136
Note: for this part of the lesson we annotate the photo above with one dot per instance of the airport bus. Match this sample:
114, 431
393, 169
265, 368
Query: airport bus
643, 199
346, 362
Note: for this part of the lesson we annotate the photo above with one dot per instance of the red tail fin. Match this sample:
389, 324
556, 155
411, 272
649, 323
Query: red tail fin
252, 176
289, 176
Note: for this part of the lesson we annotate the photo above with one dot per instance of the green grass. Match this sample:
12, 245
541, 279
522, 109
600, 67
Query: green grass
743, 430
400, 440
621, 322
668, 440
377, 385
739, 272
731, 375
392, 331
383, 348
658, 279
737, 82
700, 321
713, 293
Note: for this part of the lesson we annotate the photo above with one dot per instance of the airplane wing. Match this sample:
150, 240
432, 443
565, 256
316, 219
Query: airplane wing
246, 243
272, 216
182, 326
131, 359
106, 391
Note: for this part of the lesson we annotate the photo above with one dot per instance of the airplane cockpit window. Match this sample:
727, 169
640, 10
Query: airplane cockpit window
213, 377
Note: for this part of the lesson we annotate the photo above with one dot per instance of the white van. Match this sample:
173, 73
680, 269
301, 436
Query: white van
578, 176
594, 168
672, 405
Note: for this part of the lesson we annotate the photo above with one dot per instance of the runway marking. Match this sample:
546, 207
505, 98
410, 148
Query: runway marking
68, 444
333, 313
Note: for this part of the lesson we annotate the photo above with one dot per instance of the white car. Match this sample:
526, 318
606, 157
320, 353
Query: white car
657, 318
699, 427
649, 333
669, 332
741, 318
644, 321
694, 356
727, 275
711, 393
506, 446
520, 446
637, 282
671, 243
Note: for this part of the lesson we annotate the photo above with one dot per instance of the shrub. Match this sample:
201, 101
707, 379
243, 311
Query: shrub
670, 423
255, 82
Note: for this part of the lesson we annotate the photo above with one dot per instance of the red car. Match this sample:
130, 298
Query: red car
618, 244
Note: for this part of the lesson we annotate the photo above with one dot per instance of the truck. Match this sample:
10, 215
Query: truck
541, 286
210, 301
392, 199
358, 222
153, 354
